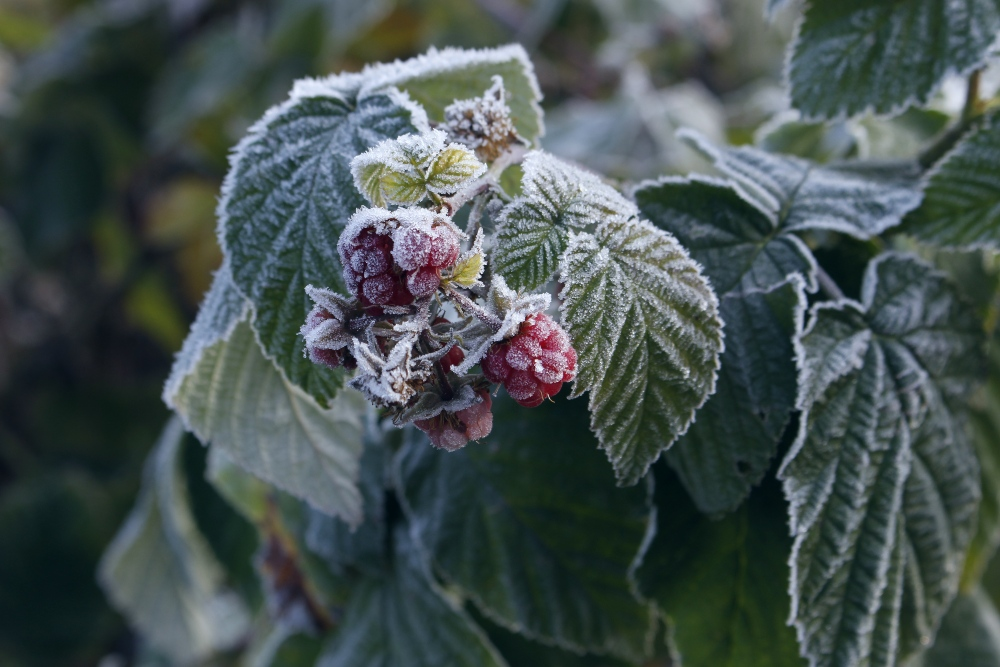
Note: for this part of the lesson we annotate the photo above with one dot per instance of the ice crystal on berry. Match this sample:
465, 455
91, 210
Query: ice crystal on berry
533, 364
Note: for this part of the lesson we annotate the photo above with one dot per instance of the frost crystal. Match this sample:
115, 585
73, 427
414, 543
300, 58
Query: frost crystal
326, 325
393, 380
483, 123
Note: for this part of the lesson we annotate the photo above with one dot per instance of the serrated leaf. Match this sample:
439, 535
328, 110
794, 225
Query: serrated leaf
237, 400
740, 247
969, 635
452, 169
533, 230
878, 383
852, 56
730, 445
511, 522
716, 580
860, 199
401, 619
161, 572
961, 207
985, 428
288, 194
438, 78
467, 271
645, 325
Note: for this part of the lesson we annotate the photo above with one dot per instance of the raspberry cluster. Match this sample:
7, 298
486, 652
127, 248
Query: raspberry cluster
392, 260
452, 431
533, 364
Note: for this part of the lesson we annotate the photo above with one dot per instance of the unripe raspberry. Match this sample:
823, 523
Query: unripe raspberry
452, 431
326, 340
534, 363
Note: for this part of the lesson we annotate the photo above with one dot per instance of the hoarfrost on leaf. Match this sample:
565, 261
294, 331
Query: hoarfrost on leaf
881, 463
557, 197
858, 199
644, 322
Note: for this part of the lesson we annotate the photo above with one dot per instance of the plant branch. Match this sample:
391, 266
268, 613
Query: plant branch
972, 114
467, 304
828, 286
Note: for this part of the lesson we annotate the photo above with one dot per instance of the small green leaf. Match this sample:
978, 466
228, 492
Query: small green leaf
881, 464
161, 572
453, 168
719, 581
401, 619
236, 399
512, 523
533, 230
853, 56
861, 199
645, 325
961, 207
288, 194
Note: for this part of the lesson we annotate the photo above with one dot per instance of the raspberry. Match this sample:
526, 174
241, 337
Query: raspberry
452, 431
369, 271
534, 363
391, 257
324, 340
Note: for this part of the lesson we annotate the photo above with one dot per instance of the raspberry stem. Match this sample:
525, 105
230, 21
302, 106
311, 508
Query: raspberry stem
467, 304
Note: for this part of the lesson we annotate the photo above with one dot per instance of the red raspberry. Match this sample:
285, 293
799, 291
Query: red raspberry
422, 251
369, 271
452, 431
326, 356
534, 363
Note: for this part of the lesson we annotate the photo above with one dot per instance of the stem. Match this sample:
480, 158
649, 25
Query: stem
487, 318
357, 325
971, 115
973, 105
827, 285
475, 216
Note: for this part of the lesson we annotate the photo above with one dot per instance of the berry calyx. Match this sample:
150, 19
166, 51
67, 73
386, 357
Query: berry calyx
451, 431
533, 364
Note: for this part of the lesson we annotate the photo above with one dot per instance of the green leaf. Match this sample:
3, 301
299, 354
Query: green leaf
739, 245
452, 169
861, 199
237, 400
961, 206
645, 325
161, 573
730, 445
514, 521
877, 384
438, 78
985, 424
288, 194
853, 56
719, 581
401, 619
969, 635
533, 230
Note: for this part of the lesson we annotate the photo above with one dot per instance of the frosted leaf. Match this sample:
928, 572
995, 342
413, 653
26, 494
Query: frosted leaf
288, 194
161, 572
394, 379
430, 404
738, 244
470, 265
881, 463
533, 230
236, 399
483, 123
854, 198
961, 206
851, 56
402, 171
645, 326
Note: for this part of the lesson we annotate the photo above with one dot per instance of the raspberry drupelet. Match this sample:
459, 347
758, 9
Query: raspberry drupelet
533, 364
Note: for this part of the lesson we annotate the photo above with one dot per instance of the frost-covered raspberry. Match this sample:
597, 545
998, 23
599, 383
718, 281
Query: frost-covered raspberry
369, 271
452, 431
325, 329
391, 257
534, 363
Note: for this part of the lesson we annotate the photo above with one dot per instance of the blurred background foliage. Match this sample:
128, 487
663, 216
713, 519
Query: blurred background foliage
116, 119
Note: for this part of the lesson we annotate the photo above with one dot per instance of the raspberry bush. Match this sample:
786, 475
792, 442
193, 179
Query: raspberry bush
782, 365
